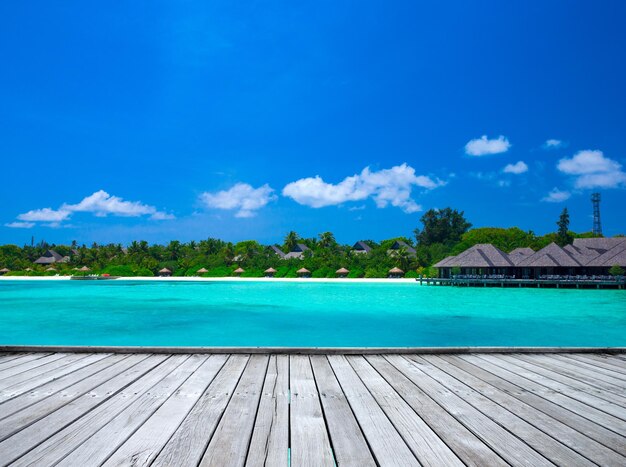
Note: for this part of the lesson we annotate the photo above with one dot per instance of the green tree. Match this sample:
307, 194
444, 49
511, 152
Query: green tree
327, 240
616, 270
442, 226
291, 240
563, 235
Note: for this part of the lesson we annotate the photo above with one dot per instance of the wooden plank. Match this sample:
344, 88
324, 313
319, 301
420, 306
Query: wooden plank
12, 372
230, 442
348, 441
539, 397
189, 442
23, 384
590, 373
144, 445
603, 361
573, 439
599, 399
26, 439
470, 449
426, 445
49, 376
22, 358
106, 441
385, 442
8, 359
55, 365
310, 443
547, 446
20, 419
270, 437
509, 447
65, 441
564, 395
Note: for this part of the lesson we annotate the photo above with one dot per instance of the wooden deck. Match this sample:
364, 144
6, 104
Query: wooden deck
83, 409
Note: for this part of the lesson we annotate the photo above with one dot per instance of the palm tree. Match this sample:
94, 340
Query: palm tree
291, 240
402, 256
327, 240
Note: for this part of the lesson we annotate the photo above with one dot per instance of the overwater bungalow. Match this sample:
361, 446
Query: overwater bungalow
396, 273
342, 272
585, 257
238, 271
361, 247
165, 272
51, 257
303, 272
3, 271
401, 245
270, 272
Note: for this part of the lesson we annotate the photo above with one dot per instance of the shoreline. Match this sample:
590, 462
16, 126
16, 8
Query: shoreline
227, 279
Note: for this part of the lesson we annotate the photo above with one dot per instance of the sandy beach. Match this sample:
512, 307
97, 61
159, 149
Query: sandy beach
221, 279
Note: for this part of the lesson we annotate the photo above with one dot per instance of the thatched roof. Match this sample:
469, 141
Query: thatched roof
444, 262
278, 251
202, 270
361, 246
342, 271
616, 255
49, 257
550, 256
600, 244
84, 268
396, 271
164, 271
581, 254
270, 271
303, 271
518, 254
482, 255
238, 271
3, 270
401, 244
50, 269
28, 269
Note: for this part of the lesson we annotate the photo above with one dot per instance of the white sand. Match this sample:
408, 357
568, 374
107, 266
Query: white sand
217, 279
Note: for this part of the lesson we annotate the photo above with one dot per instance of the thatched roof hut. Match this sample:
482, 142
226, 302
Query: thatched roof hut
238, 271
84, 269
518, 254
303, 272
269, 272
342, 272
361, 247
4, 271
482, 255
28, 270
444, 262
549, 256
165, 272
50, 269
49, 257
202, 271
396, 272
399, 245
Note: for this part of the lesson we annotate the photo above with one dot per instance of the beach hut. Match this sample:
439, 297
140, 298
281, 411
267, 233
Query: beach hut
165, 272
269, 272
342, 272
3, 271
84, 269
28, 270
50, 269
395, 273
202, 271
361, 247
238, 271
303, 272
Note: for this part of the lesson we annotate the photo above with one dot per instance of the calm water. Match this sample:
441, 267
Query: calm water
301, 314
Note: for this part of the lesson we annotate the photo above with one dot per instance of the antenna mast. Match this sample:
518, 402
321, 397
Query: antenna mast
597, 226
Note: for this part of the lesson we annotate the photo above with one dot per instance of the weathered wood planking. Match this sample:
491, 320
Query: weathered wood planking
347, 410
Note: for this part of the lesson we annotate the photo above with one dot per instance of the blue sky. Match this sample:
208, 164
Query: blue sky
160, 120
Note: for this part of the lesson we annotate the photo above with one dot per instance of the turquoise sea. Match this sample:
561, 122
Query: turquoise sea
338, 314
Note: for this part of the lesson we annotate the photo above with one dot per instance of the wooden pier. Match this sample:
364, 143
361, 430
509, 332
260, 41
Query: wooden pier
478, 409
536, 283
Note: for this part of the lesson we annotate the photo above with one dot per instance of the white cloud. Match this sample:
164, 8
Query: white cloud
504, 183
45, 215
386, 187
20, 225
518, 168
557, 196
99, 204
243, 197
553, 144
593, 170
483, 146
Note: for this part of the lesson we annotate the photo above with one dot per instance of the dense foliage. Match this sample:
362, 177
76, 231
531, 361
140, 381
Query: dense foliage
444, 232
